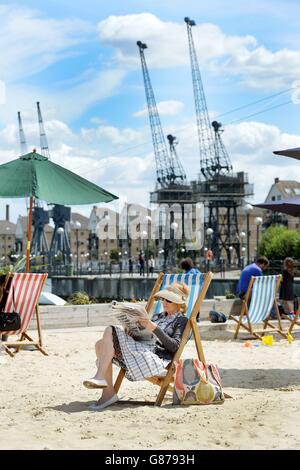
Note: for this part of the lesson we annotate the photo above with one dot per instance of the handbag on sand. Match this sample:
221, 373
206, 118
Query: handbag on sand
10, 321
196, 383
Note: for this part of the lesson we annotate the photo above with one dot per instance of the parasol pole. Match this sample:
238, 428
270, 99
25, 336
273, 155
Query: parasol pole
29, 235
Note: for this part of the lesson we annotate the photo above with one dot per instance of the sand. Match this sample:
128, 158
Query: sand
43, 404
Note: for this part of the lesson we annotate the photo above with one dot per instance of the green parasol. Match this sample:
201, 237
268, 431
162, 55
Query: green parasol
35, 176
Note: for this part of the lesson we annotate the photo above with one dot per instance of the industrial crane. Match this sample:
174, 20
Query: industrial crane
40, 217
60, 242
218, 187
168, 168
171, 179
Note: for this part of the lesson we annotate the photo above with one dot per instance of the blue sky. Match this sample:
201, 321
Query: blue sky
80, 60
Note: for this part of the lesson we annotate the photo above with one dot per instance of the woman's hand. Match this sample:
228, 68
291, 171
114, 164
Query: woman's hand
128, 332
147, 323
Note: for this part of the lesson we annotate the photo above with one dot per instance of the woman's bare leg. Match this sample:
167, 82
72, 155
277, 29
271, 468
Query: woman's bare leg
109, 391
105, 353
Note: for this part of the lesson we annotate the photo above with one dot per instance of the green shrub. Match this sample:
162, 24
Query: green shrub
79, 298
278, 242
229, 295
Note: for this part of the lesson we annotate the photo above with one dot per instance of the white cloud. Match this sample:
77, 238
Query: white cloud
227, 54
113, 135
29, 42
167, 41
66, 104
165, 108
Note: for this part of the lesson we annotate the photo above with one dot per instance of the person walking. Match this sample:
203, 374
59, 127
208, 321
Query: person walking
151, 264
286, 293
142, 264
130, 265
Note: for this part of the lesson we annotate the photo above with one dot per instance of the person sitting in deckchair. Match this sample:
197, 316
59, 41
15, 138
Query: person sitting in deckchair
254, 269
141, 359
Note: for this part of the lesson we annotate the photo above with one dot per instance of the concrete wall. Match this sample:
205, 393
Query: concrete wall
72, 316
111, 288
125, 287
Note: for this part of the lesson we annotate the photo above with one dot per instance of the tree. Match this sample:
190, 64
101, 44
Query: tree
114, 255
278, 242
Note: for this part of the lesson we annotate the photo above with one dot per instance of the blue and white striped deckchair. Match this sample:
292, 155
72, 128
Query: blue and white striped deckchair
198, 285
262, 290
194, 283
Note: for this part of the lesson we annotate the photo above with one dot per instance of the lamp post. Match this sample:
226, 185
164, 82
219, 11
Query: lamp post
243, 256
77, 226
258, 222
248, 209
142, 269
230, 248
242, 238
147, 220
174, 227
209, 233
61, 231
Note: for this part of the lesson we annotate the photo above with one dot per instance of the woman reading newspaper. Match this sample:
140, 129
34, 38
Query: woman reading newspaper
144, 348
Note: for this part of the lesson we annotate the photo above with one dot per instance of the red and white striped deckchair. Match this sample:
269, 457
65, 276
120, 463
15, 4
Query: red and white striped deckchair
23, 295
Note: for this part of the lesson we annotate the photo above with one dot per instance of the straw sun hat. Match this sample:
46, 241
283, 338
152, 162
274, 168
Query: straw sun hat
176, 293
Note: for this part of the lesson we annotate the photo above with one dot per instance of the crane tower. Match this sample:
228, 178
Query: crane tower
171, 182
221, 190
60, 242
40, 217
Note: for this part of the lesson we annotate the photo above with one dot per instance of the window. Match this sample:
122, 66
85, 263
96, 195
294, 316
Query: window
273, 198
278, 198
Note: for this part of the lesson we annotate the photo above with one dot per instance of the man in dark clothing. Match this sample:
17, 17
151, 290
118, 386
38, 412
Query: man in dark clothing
254, 269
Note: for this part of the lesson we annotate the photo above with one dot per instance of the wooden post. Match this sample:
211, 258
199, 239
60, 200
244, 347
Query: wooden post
29, 235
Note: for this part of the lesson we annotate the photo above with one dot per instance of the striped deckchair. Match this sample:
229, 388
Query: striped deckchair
23, 295
261, 293
198, 285
194, 283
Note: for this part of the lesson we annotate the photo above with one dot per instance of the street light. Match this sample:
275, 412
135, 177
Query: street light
248, 208
243, 249
147, 220
77, 226
174, 227
61, 232
242, 236
230, 248
208, 254
209, 233
258, 222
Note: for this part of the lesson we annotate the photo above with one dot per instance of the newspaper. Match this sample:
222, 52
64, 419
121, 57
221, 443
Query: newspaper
128, 315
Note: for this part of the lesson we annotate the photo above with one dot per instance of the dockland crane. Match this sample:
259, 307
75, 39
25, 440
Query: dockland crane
218, 187
169, 171
40, 217
171, 183
60, 242
23, 144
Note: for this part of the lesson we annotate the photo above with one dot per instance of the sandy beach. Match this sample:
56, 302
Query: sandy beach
43, 404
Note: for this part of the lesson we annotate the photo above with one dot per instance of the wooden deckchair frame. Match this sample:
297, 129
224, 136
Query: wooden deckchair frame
165, 383
294, 321
25, 339
266, 322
